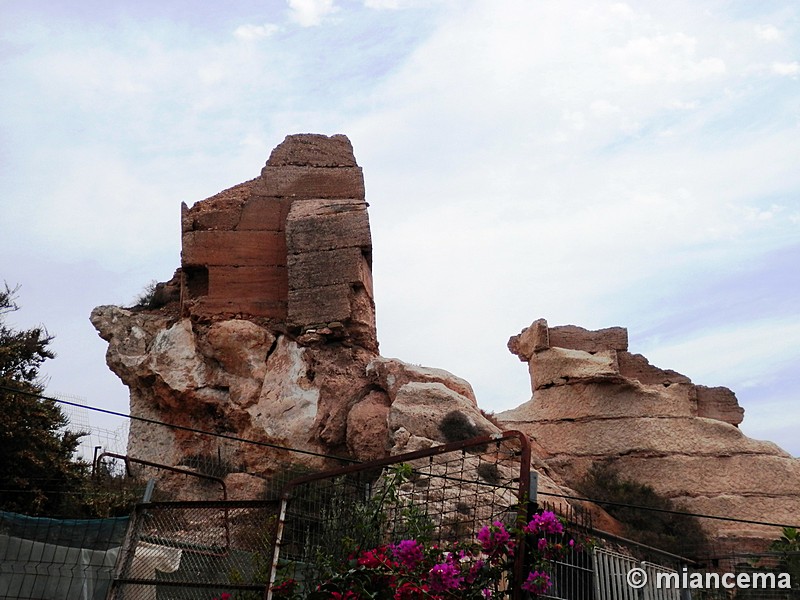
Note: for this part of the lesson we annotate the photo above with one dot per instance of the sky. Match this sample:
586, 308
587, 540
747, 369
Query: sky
594, 163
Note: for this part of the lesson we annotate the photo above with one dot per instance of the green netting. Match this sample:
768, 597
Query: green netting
55, 559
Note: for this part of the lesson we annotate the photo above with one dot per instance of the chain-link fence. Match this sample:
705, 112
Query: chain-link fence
196, 551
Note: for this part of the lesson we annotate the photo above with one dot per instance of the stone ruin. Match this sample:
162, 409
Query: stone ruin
267, 332
292, 245
595, 401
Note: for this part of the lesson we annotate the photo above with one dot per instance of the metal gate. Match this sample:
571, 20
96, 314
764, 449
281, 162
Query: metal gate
196, 550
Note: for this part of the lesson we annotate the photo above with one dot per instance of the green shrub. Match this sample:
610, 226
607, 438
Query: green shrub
676, 533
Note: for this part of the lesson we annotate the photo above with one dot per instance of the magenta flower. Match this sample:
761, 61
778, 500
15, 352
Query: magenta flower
538, 582
494, 538
408, 552
444, 577
543, 524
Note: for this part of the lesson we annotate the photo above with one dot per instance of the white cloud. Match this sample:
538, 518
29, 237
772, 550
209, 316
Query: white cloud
768, 33
310, 13
253, 32
382, 4
786, 68
671, 58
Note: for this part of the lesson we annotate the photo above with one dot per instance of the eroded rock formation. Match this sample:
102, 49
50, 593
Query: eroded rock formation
595, 401
267, 332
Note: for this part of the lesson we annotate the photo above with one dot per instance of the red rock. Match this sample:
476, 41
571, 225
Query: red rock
310, 149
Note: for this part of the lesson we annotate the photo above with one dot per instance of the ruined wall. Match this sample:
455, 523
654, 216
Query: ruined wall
292, 245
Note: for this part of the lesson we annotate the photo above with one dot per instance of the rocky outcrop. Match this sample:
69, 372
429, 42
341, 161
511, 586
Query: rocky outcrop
267, 332
595, 401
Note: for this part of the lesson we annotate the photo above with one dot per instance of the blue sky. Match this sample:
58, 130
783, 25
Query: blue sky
595, 163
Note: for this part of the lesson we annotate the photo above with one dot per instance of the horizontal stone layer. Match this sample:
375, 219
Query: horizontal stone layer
258, 308
311, 182
719, 403
558, 366
604, 400
739, 474
264, 213
328, 267
234, 248
636, 366
319, 305
578, 338
235, 283
666, 435
315, 225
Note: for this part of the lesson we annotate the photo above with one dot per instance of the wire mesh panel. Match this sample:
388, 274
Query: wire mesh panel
196, 551
57, 558
446, 493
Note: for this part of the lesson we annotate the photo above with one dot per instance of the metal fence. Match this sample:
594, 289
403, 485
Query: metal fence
57, 559
450, 490
196, 551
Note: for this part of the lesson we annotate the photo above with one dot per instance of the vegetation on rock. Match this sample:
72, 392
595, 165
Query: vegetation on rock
628, 501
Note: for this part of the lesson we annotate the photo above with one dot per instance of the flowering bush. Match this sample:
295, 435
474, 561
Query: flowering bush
412, 569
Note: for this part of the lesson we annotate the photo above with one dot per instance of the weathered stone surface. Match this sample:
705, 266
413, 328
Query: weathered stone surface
267, 284
392, 374
578, 338
315, 225
287, 405
654, 425
319, 305
693, 476
420, 408
603, 400
221, 211
311, 182
241, 347
313, 150
719, 403
234, 248
559, 366
327, 267
648, 436
367, 427
263, 213
636, 366
531, 339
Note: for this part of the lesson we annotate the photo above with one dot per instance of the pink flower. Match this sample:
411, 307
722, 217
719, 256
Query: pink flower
495, 538
444, 577
543, 524
408, 553
538, 582
541, 545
